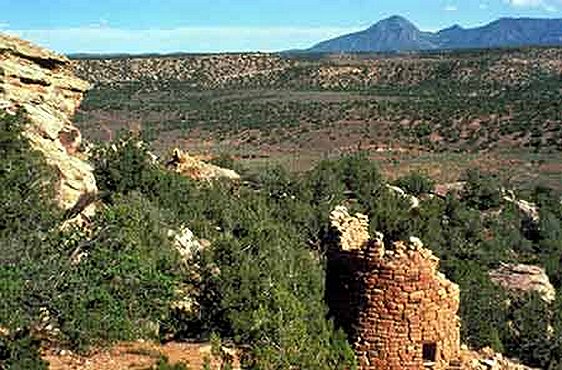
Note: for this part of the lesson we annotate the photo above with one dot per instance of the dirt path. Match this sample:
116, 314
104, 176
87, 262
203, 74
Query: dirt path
134, 356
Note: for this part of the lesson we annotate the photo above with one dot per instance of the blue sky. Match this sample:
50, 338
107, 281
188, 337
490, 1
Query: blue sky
71, 26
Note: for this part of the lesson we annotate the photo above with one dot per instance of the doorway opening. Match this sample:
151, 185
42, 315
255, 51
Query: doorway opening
429, 352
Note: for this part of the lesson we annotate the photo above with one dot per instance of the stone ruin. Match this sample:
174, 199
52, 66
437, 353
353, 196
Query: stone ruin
397, 309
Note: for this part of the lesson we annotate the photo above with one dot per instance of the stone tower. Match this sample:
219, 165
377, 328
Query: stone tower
398, 310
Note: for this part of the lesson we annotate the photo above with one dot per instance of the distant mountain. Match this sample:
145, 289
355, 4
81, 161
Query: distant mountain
399, 34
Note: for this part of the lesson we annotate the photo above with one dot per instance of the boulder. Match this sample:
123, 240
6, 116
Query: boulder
442, 190
414, 201
487, 359
185, 243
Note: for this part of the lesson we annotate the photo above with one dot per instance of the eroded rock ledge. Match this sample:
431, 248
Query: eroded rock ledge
525, 279
192, 167
42, 85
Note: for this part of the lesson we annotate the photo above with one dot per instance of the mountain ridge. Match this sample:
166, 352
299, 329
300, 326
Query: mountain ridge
398, 34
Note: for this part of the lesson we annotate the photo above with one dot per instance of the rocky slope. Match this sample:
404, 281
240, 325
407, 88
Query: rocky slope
214, 72
42, 85
207, 71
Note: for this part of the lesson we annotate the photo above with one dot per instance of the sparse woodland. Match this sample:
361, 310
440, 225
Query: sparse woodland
260, 283
450, 102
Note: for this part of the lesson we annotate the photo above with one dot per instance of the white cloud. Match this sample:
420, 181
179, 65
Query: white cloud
4, 25
544, 4
483, 6
451, 8
104, 39
526, 3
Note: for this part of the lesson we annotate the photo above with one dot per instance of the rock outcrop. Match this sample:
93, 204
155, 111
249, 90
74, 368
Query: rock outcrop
42, 85
528, 209
524, 278
487, 359
414, 201
185, 242
196, 169
442, 190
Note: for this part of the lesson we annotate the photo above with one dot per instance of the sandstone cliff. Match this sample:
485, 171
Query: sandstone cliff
42, 85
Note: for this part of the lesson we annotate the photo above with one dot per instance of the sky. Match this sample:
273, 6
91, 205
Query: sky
163, 26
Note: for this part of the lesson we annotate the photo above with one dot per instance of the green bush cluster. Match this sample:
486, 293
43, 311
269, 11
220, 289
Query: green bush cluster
416, 184
114, 283
263, 288
20, 351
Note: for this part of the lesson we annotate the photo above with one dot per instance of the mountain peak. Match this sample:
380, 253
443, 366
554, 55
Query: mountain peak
396, 18
449, 30
394, 21
455, 27
397, 33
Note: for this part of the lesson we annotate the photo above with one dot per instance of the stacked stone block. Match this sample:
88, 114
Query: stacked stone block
398, 310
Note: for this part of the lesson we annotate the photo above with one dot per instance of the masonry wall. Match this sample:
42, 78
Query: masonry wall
397, 309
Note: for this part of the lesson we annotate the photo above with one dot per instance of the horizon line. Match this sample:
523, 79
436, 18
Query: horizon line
195, 39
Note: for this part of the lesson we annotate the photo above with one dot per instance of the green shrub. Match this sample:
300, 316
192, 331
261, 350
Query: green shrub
416, 184
27, 211
26, 216
530, 337
20, 351
123, 286
482, 191
122, 166
164, 364
483, 307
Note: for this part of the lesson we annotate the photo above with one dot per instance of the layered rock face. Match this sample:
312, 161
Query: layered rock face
398, 310
43, 86
524, 278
